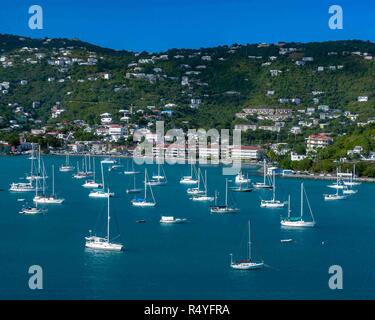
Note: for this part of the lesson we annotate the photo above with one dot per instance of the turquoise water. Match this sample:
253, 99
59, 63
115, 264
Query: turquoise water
185, 261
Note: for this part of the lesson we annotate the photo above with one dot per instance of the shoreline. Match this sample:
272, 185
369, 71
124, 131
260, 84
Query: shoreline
313, 176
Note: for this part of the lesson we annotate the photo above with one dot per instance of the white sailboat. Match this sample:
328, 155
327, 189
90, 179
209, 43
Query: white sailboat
91, 183
246, 264
66, 167
109, 160
85, 172
171, 220
99, 243
264, 184
134, 189
223, 208
189, 180
38, 176
298, 221
351, 181
196, 190
144, 202
51, 199
158, 179
130, 171
273, 203
101, 192
240, 179
337, 195
203, 197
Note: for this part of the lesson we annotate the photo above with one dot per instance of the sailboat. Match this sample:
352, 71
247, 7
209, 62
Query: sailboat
189, 179
143, 202
336, 196
99, 243
32, 156
203, 197
246, 264
38, 175
29, 210
85, 172
240, 179
264, 184
273, 203
348, 190
196, 190
130, 171
351, 181
100, 192
109, 160
66, 167
134, 189
158, 179
298, 221
223, 208
52, 199
92, 182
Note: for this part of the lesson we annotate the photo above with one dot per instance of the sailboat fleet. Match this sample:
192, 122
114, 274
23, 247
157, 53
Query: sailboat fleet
36, 182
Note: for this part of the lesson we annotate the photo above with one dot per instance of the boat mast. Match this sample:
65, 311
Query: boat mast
264, 171
249, 243
94, 171
273, 185
145, 194
205, 182
301, 200
289, 206
39, 163
53, 180
108, 218
101, 165
226, 193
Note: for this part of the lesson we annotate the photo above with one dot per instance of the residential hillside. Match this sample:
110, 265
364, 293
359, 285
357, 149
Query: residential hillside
280, 92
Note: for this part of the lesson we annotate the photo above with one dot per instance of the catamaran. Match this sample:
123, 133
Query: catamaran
246, 264
99, 243
189, 179
223, 208
203, 197
171, 220
273, 203
298, 221
143, 202
51, 199
92, 184
66, 167
264, 184
101, 192
240, 179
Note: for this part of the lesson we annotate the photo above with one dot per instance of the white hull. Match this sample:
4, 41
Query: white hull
272, 204
171, 220
130, 172
47, 200
350, 191
195, 191
223, 210
30, 211
21, 188
247, 265
93, 185
66, 169
203, 198
143, 204
104, 246
100, 194
297, 224
336, 186
188, 181
333, 197
351, 183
